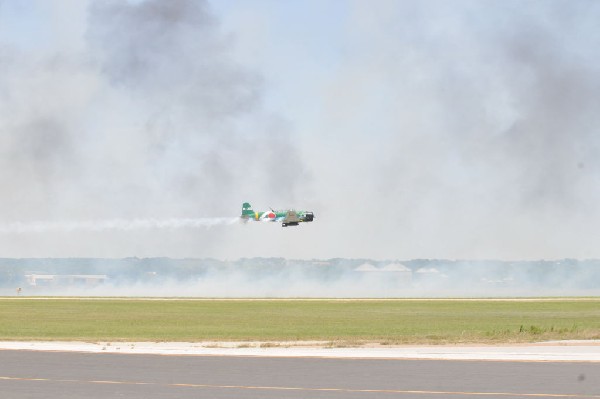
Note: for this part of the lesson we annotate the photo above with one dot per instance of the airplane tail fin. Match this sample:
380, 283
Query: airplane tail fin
247, 210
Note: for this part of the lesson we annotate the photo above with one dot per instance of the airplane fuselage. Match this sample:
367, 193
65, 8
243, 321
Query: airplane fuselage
285, 217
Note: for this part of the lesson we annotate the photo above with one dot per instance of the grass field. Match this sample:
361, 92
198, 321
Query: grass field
340, 322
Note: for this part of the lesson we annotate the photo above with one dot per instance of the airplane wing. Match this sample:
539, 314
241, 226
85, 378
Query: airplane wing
291, 219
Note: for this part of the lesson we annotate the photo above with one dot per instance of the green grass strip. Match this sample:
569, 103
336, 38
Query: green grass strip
338, 321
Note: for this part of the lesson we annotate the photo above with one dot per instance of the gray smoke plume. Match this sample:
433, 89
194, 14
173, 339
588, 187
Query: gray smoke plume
147, 118
414, 129
473, 129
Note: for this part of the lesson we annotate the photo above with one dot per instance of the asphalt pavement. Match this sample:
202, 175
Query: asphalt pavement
64, 375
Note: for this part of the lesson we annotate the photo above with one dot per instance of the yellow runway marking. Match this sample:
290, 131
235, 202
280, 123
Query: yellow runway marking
269, 388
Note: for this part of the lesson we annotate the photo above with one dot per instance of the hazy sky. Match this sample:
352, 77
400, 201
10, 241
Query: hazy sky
413, 129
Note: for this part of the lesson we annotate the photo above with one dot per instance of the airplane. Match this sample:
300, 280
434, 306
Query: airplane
287, 217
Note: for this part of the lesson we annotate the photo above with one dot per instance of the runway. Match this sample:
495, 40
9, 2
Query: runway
65, 375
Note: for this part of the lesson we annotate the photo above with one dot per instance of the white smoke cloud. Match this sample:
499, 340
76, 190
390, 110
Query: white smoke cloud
280, 278
461, 129
412, 128
140, 121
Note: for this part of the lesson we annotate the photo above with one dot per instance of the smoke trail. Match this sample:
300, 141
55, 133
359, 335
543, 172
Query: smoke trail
115, 224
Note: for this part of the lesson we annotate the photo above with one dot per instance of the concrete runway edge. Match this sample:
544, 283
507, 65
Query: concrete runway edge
565, 351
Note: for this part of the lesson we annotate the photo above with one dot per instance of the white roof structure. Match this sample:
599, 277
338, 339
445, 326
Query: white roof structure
366, 267
390, 268
431, 270
395, 267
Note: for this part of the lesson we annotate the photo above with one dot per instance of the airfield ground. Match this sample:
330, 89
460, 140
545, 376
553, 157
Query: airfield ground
334, 323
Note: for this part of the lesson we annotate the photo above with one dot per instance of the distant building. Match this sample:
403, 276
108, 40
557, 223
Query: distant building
366, 267
396, 267
427, 270
88, 280
427, 275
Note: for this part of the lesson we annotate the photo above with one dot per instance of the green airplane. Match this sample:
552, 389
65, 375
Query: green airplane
288, 217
